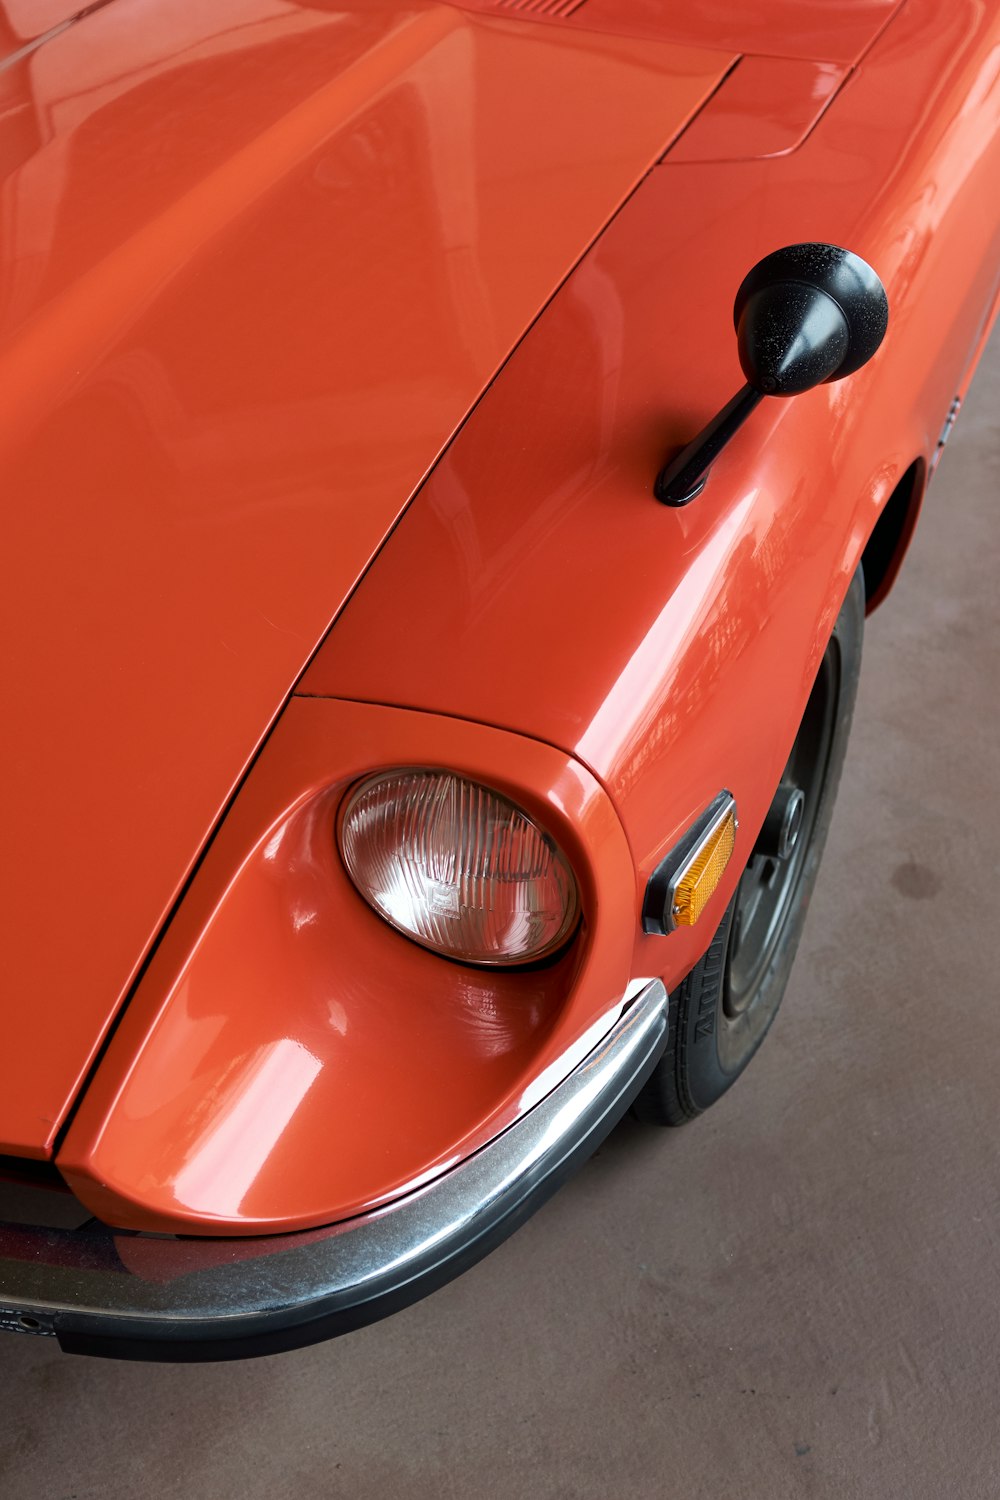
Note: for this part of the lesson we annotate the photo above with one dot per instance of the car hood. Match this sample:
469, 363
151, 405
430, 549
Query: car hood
260, 258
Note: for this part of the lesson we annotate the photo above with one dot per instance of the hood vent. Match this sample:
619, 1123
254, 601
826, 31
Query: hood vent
528, 10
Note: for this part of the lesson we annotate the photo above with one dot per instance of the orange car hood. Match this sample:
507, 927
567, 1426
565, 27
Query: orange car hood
259, 260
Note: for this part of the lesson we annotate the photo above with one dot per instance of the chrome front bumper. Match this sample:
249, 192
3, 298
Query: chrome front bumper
136, 1296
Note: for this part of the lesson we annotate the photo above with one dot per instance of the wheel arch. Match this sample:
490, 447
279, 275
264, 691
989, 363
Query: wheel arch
890, 537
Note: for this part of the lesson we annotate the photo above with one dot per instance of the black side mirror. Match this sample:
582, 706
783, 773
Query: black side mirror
804, 315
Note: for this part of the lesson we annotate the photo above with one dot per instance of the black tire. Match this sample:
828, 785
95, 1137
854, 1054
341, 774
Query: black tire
721, 1012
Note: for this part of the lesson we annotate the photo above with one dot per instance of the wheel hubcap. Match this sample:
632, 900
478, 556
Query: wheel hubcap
783, 823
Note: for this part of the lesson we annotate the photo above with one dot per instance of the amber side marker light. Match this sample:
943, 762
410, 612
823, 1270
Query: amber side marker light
684, 882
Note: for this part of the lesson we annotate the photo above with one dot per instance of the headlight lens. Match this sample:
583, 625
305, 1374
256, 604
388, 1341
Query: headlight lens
458, 867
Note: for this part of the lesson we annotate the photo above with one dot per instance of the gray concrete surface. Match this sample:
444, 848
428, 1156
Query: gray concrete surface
797, 1296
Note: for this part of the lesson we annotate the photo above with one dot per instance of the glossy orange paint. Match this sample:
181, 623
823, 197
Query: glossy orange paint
23, 22
260, 259
660, 654
288, 1058
837, 31
765, 107
672, 651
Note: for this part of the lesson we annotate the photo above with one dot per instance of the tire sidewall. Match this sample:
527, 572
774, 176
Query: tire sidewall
712, 1050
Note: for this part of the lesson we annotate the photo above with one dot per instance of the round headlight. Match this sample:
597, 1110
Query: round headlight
458, 867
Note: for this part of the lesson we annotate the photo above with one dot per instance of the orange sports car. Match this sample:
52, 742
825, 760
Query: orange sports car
449, 448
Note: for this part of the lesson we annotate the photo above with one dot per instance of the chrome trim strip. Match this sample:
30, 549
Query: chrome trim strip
165, 1298
659, 903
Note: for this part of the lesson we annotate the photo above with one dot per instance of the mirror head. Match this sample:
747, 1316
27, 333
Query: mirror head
807, 314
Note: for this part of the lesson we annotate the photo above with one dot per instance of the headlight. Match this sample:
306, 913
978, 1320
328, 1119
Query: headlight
458, 867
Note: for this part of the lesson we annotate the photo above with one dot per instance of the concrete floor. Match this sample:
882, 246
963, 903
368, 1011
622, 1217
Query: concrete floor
796, 1296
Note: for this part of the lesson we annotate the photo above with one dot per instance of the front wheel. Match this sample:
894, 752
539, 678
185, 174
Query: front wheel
721, 1012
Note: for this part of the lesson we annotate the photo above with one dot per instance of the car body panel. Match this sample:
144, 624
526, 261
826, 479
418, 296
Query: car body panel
140, 1296
261, 259
25, 22
765, 107
672, 651
286, 1049
825, 30
535, 584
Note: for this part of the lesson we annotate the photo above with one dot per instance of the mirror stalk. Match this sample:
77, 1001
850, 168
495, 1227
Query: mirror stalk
684, 477
804, 315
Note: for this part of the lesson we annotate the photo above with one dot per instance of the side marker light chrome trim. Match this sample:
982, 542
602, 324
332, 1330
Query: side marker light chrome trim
659, 907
